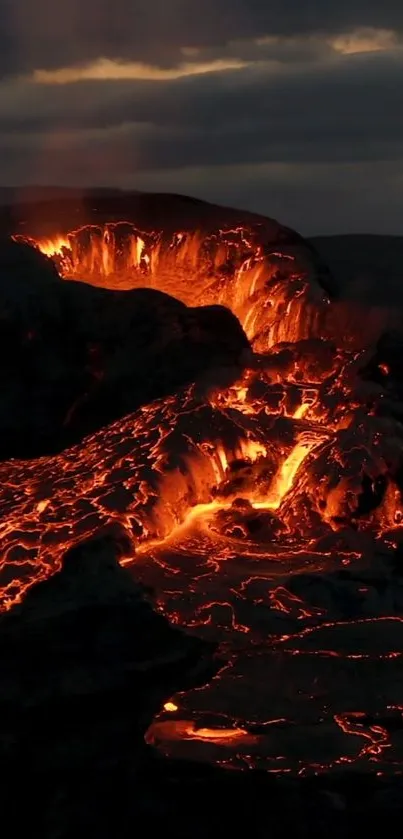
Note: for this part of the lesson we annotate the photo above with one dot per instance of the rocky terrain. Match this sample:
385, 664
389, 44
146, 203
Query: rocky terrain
85, 665
295, 638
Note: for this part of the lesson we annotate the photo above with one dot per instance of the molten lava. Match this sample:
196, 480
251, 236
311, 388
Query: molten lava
290, 470
266, 292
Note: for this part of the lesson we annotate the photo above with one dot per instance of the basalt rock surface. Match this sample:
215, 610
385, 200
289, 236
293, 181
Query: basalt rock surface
384, 366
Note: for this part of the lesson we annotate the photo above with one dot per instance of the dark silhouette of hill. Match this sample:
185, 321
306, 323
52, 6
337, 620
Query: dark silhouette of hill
365, 267
47, 210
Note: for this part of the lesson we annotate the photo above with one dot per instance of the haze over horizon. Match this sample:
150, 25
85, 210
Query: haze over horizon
281, 108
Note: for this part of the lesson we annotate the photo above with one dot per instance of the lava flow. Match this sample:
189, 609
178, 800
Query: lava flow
255, 509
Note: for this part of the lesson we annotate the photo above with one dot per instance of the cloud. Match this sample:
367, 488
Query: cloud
235, 55
243, 101
106, 70
44, 34
348, 109
365, 40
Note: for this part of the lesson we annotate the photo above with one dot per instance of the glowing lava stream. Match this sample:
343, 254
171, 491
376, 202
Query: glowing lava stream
284, 478
282, 483
187, 730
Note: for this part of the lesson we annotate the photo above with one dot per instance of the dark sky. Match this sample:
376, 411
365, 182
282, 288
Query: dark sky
293, 108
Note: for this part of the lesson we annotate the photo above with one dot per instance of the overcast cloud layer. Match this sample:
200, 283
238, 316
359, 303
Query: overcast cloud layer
291, 108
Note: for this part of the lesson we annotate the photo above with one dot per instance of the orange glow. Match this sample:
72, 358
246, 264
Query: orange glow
54, 247
215, 734
187, 730
284, 478
170, 706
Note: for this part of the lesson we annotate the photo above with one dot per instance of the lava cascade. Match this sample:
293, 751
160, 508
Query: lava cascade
268, 290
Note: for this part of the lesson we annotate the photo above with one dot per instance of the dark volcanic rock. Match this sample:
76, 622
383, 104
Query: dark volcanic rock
24, 270
385, 366
75, 357
86, 663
